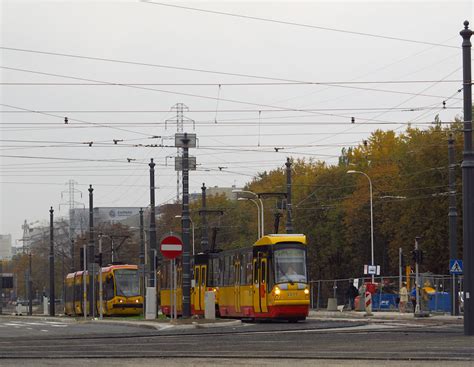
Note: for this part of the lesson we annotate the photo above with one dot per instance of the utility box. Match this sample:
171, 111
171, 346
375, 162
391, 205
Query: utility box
150, 313
45, 306
21, 310
210, 305
332, 304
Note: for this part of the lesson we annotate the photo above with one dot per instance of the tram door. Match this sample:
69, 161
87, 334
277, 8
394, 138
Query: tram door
237, 286
200, 272
260, 285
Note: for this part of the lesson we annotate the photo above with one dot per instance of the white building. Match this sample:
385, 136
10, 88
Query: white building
5, 246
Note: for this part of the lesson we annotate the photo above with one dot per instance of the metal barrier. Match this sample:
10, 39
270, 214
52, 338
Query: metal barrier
386, 296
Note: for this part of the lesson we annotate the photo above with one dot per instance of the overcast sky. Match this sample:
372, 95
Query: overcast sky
230, 71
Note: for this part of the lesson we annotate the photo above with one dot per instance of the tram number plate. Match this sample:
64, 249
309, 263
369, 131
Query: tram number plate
292, 294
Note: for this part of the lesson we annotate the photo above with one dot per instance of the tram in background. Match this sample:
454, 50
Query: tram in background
266, 281
121, 291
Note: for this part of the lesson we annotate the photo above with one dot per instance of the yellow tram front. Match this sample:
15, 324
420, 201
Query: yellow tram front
288, 293
120, 291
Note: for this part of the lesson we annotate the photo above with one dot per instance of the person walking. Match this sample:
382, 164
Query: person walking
351, 294
403, 298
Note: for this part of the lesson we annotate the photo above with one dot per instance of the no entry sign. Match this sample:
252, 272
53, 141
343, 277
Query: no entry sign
171, 246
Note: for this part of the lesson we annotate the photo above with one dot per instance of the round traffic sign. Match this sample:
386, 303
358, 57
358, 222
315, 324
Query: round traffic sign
171, 246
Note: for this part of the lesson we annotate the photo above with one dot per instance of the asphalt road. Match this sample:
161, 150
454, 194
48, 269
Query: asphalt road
350, 343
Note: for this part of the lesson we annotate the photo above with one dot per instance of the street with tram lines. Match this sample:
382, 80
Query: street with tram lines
423, 341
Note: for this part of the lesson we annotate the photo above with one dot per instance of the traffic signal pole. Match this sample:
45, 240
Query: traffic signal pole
51, 264
468, 185
417, 279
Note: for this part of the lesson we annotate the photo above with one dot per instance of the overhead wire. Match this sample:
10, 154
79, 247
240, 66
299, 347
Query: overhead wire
373, 35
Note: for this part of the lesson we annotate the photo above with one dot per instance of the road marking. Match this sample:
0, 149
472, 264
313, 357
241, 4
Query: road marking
44, 330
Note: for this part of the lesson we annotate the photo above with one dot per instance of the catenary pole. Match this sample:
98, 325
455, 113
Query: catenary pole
152, 229
468, 185
51, 263
289, 224
91, 252
204, 235
185, 231
141, 255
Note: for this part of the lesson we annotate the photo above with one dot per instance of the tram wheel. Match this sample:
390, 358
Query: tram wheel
293, 320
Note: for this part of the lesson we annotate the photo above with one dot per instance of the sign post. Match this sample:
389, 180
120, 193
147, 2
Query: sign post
455, 268
171, 247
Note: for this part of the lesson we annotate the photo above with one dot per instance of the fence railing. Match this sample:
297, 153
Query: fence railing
387, 292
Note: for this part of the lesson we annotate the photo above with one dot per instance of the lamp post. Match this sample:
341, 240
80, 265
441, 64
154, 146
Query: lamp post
258, 215
249, 195
192, 229
371, 219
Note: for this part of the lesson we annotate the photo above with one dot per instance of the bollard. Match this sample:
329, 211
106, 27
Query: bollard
368, 304
210, 305
150, 313
45, 306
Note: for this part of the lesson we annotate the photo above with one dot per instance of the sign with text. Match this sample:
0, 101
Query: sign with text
372, 269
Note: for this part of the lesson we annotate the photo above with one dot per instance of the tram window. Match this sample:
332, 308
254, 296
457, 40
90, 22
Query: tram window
264, 271
77, 290
255, 272
227, 270
109, 288
232, 273
203, 276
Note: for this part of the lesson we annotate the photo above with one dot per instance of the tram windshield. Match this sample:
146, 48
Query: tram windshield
127, 282
290, 265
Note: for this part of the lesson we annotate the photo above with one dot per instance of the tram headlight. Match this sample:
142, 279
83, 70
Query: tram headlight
277, 291
306, 291
136, 301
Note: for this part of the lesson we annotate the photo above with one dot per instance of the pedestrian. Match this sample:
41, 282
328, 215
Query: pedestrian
413, 298
351, 294
403, 298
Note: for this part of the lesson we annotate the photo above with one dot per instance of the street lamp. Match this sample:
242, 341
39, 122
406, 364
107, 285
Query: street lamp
249, 195
192, 228
371, 219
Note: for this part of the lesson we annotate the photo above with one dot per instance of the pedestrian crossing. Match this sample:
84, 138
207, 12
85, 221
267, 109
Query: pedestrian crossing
42, 325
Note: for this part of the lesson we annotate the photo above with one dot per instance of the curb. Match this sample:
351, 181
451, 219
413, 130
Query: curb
165, 325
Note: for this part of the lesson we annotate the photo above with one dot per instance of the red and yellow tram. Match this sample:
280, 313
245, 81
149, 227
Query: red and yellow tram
266, 281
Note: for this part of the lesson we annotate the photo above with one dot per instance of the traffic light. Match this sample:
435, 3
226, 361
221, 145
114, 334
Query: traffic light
98, 259
417, 256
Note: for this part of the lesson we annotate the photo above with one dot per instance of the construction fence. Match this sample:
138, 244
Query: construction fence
386, 296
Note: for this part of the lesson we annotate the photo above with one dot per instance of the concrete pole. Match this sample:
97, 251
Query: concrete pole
453, 215
51, 264
468, 185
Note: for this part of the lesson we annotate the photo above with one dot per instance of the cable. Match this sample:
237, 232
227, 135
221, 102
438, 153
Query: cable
231, 84
297, 24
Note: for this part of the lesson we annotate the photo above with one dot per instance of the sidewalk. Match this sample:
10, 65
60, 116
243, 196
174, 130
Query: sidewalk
381, 316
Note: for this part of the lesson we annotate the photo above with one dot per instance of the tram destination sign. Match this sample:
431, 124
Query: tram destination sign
171, 246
